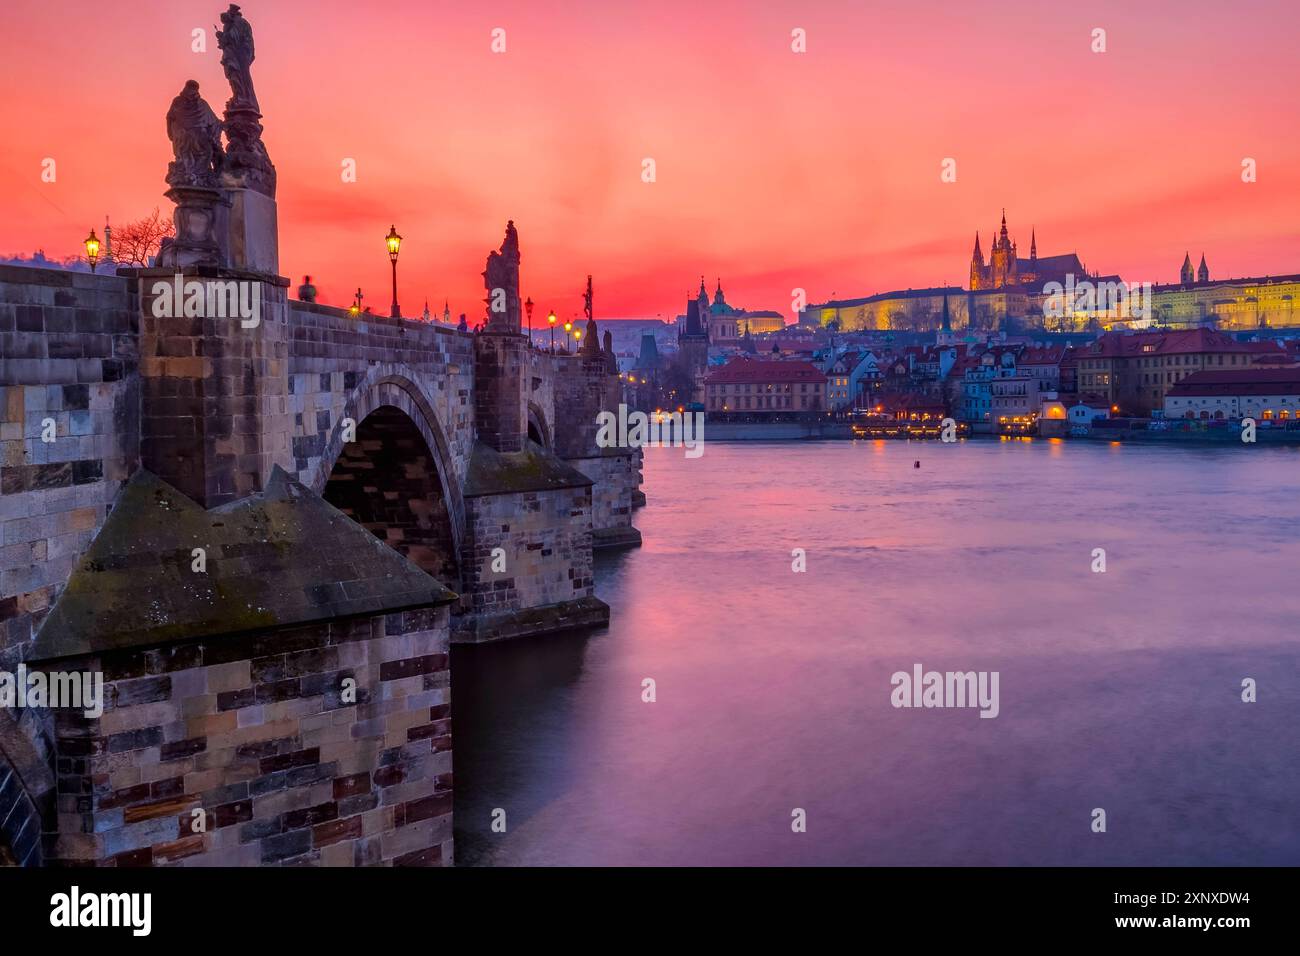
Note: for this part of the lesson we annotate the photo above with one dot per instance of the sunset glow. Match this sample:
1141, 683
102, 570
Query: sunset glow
774, 170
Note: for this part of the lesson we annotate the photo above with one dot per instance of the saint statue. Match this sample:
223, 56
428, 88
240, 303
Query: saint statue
502, 272
195, 133
236, 42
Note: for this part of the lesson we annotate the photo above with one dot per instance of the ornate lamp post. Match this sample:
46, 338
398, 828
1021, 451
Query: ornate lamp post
92, 249
568, 327
528, 307
551, 319
577, 339
394, 245
356, 304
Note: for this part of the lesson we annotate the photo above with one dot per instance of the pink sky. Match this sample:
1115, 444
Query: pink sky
775, 170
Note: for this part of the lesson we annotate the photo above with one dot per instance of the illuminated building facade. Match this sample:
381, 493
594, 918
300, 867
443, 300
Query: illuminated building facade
1230, 304
1269, 394
1134, 371
766, 388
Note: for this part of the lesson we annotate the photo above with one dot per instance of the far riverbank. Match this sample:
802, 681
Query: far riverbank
824, 431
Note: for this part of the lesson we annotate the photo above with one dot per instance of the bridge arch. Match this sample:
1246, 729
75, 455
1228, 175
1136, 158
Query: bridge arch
20, 822
397, 476
539, 430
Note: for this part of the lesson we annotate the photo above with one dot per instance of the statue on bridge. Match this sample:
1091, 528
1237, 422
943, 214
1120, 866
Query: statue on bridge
248, 164
236, 42
591, 344
501, 277
194, 177
195, 133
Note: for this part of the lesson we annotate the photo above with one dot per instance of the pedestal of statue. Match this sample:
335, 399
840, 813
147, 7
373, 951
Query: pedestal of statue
252, 231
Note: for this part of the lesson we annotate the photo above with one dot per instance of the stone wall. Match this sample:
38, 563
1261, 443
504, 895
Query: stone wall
615, 479
548, 580
255, 731
583, 388
213, 402
68, 352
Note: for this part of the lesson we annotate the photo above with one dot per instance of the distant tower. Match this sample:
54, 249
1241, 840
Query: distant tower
1203, 271
693, 341
426, 315
977, 266
945, 336
446, 312
1002, 260
1033, 249
648, 358
107, 254
1185, 274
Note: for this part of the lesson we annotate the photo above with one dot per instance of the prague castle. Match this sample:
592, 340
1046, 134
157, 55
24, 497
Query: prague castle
1008, 291
1005, 268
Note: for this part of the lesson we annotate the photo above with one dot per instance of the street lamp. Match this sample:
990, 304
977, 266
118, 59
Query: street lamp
394, 244
528, 307
568, 327
92, 249
577, 340
551, 319
356, 304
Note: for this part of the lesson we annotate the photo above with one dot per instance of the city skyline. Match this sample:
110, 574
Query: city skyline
773, 171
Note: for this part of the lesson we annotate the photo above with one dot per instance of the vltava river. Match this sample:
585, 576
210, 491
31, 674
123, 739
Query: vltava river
1118, 690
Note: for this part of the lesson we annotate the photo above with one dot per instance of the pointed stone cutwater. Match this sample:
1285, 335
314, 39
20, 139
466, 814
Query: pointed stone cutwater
282, 558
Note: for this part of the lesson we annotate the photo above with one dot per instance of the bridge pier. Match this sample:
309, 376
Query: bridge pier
214, 416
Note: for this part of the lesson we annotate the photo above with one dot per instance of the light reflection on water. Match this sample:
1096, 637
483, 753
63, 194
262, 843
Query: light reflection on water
1118, 690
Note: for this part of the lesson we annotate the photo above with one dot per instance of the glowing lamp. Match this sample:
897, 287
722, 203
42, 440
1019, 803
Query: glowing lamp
92, 249
394, 242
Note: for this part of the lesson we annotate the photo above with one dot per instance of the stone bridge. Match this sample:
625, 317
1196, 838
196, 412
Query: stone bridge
180, 503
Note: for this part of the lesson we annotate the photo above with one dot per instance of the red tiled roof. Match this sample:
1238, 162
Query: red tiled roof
1179, 341
1051, 355
1276, 380
764, 371
897, 401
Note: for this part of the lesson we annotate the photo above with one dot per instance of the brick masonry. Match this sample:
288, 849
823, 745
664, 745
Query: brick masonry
255, 731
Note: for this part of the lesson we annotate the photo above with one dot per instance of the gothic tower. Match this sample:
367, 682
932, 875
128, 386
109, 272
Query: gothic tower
977, 266
1185, 274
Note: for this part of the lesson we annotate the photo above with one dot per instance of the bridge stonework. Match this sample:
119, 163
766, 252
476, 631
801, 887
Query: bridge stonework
472, 456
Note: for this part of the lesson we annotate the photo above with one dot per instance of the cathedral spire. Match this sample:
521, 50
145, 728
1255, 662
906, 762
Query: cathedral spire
1033, 243
1203, 271
978, 254
1185, 274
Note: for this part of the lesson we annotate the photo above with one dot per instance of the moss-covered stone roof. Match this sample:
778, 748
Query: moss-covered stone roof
280, 558
534, 469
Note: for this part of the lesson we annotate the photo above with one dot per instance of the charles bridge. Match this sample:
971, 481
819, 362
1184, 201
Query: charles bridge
266, 537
